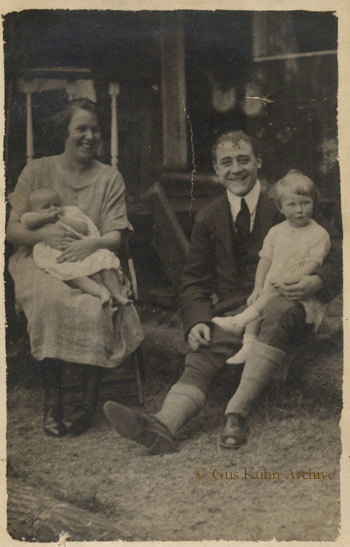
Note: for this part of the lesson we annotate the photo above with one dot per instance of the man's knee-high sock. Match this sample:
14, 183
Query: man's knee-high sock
261, 366
182, 403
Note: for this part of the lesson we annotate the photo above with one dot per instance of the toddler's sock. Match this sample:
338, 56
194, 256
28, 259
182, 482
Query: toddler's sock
241, 356
248, 315
239, 321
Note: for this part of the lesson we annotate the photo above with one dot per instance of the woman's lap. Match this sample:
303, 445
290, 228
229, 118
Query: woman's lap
66, 324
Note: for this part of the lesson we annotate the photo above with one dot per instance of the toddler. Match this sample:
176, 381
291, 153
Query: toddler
98, 274
290, 250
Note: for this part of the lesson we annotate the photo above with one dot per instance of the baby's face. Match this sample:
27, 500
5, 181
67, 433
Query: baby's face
50, 203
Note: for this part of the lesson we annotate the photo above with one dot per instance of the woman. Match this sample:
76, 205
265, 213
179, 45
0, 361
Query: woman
65, 324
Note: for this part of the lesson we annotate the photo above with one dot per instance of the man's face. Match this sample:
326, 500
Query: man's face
237, 166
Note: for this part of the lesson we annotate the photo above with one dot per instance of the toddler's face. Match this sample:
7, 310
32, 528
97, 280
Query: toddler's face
50, 203
296, 208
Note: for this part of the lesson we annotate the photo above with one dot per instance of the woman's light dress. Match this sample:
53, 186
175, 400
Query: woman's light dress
63, 322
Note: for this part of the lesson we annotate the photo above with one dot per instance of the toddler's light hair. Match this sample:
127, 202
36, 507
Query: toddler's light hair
40, 194
294, 181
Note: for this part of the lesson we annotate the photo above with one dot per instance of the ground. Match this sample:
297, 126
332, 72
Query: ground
294, 428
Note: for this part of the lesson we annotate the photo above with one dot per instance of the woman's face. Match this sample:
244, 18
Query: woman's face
84, 136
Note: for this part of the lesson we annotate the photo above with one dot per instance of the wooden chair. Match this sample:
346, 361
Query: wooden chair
78, 83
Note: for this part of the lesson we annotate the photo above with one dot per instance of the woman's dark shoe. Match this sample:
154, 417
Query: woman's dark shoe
53, 421
235, 431
80, 421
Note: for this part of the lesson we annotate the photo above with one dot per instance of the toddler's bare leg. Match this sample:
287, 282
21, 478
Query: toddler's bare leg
88, 285
111, 280
264, 298
250, 334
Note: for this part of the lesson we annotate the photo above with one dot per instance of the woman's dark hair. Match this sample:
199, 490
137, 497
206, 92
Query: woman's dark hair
63, 118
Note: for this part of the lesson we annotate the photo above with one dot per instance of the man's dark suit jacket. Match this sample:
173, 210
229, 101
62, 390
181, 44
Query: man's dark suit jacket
220, 264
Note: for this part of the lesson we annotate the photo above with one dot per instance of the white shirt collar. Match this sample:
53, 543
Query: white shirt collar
251, 199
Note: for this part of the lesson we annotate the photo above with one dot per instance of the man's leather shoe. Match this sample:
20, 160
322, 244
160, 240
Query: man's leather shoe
143, 428
235, 431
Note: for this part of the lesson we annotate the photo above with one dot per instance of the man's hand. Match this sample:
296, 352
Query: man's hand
288, 279
303, 289
199, 336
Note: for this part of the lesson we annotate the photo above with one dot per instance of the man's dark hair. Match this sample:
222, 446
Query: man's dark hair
236, 136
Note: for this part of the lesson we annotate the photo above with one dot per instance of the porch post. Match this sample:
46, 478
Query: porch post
173, 89
29, 127
114, 92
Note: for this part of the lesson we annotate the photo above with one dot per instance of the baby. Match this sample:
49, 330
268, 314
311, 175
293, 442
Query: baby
98, 274
290, 250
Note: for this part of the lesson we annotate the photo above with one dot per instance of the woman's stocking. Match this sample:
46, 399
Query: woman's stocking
51, 371
81, 420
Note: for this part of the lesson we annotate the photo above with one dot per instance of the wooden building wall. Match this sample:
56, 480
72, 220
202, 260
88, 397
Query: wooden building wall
182, 76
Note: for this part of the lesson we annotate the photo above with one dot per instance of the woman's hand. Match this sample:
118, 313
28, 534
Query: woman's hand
303, 289
57, 235
53, 235
78, 250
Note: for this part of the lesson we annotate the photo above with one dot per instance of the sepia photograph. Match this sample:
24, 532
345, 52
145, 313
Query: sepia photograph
173, 275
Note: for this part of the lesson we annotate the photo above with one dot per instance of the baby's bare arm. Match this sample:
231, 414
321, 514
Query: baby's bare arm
33, 220
78, 225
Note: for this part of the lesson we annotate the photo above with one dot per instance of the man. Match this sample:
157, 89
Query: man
226, 239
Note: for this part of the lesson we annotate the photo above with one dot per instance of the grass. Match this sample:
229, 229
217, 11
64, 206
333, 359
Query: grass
294, 426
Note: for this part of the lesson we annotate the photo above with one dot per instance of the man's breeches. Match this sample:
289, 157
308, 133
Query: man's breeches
282, 323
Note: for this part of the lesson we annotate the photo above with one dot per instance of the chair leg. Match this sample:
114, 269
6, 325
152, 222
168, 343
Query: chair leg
139, 374
141, 363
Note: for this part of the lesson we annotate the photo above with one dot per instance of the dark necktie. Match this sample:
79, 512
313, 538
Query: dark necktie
243, 221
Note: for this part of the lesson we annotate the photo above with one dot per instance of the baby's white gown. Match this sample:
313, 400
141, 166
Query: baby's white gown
45, 257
